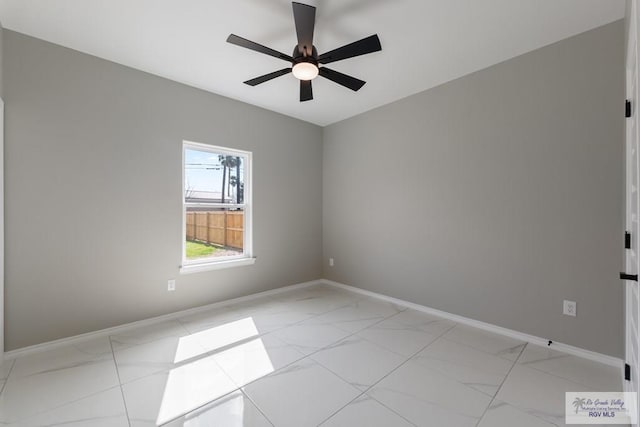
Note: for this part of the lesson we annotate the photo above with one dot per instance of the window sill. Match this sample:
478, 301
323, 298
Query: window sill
216, 265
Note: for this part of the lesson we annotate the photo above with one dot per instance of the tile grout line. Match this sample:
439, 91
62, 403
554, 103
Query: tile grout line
182, 325
502, 383
398, 367
351, 334
558, 376
385, 376
453, 378
373, 343
464, 344
6, 380
403, 355
209, 354
256, 405
208, 403
308, 356
61, 405
124, 401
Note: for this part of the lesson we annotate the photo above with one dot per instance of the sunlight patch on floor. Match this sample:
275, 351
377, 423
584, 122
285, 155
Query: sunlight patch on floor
201, 380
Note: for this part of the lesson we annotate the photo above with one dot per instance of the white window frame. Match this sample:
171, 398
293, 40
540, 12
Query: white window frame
192, 266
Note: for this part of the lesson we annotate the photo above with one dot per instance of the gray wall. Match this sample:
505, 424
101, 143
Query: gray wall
93, 193
1, 62
494, 196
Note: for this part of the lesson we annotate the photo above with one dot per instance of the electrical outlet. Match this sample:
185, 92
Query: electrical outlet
330, 262
569, 308
171, 285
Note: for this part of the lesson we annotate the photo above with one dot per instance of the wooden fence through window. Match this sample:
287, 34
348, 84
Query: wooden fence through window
224, 228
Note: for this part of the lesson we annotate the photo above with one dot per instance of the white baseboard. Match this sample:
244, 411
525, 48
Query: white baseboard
566, 348
38, 348
587, 354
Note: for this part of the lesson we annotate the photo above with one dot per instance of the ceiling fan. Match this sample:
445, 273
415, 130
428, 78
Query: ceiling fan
305, 59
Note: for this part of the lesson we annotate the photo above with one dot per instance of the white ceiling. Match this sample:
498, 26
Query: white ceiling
424, 42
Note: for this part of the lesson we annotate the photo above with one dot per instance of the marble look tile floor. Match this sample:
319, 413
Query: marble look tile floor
317, 356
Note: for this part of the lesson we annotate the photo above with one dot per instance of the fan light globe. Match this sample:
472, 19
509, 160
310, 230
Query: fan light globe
305, 71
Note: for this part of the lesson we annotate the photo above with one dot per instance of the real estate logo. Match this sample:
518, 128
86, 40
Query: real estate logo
601, 408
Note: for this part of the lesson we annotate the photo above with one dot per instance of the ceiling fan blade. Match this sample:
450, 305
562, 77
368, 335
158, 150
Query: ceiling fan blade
361, 47
342, 79
239, 41
305, 19
267, 77
306, 92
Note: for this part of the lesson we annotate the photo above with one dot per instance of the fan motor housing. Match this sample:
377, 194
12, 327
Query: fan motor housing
301, 57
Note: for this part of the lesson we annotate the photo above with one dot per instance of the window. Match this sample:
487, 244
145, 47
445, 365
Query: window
216, 207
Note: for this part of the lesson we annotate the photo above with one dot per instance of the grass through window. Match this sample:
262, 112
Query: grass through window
198, 250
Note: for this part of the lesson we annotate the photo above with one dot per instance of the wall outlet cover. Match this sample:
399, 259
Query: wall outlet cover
569, 308
171, 285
